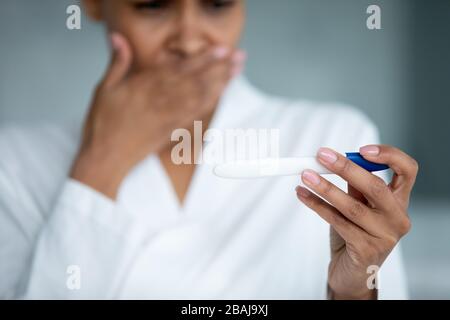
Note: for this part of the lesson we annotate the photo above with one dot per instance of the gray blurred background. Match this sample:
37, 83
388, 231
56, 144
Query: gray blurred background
317, 49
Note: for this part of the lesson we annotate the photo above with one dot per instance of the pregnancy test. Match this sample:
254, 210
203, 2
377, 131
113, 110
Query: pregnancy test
271, 167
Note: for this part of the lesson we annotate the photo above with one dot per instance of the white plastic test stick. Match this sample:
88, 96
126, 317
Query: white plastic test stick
247, 169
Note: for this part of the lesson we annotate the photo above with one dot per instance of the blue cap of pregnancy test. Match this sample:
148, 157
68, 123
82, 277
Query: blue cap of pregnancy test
357, 158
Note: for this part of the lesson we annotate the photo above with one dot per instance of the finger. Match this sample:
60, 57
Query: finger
353, 209
212, 82
226, 69
372, 187
354, 193
216, 76
217, 55
207, 86
174, 74
239, 60
350, 232
198, 95
121, 61
404, 166
202, 61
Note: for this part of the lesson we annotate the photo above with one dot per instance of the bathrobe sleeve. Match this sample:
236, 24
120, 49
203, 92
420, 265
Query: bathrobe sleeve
82, 251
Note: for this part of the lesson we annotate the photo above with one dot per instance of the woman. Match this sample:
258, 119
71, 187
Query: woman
112, 216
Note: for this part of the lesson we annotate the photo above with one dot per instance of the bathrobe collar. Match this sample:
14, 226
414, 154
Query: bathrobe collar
147, 191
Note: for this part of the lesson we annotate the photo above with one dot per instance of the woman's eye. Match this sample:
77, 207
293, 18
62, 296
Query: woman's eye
151, 4
162, 4
219, 4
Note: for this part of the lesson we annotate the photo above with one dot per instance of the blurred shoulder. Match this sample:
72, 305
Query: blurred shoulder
37, 146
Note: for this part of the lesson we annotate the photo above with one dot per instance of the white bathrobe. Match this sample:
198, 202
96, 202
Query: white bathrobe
232, 239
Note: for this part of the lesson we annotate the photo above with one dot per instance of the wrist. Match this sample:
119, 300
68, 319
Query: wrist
99, 171
365, 294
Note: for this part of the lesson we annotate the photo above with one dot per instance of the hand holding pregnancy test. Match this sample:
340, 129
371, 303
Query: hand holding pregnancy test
366, 222
270, 167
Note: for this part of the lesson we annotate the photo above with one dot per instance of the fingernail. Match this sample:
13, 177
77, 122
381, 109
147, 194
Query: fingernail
311, 177
239, 57
302, 192
220, 52
115, 41
369, 151
327, 155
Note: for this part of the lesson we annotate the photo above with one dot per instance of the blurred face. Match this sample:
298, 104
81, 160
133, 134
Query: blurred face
171, 31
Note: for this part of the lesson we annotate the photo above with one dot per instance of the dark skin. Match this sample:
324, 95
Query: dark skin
368, 221
191, 45
159, 45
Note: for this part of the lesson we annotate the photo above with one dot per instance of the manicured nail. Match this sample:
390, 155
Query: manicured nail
115, 41
220, 52
239, 57
311, 177
302, 192
369, 151
327, 155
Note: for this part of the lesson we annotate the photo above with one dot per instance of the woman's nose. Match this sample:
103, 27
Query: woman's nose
187, 45
189, 37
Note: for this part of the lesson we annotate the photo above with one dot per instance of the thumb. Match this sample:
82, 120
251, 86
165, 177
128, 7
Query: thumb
120, 62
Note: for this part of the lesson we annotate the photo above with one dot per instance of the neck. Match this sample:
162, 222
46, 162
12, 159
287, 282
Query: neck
205, 122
